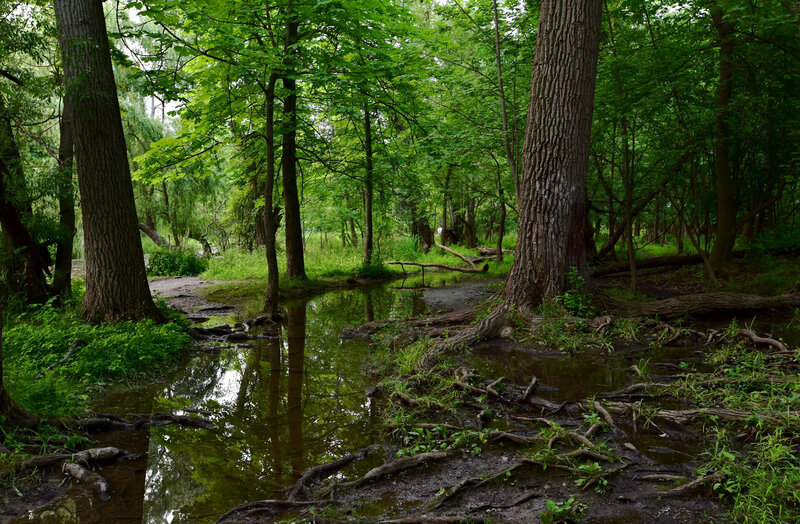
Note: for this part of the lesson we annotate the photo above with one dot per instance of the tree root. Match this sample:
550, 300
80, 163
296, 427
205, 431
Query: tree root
397, 466
263, 508
694, 485
86, 456
686, 416
417, 402
762, 340
531, 389
320, 473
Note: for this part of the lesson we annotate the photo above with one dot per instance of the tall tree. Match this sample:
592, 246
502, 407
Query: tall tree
116, 281
552, 196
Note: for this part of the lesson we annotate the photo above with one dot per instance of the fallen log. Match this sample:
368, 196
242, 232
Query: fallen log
698, 304
473, 269
648, 263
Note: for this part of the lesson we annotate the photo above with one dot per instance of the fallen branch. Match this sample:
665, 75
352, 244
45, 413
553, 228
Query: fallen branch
75, 343
473, 269
455, 254
94, 480
416, 402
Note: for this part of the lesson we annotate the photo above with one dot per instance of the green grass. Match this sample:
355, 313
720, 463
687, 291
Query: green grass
114, 354
330, 266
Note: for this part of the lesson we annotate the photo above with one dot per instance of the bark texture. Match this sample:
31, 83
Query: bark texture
553, 183
116, 282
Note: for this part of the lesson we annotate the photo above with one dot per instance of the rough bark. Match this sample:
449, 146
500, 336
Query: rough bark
556, 154
295, 263
62, 275
116, 281
725, 236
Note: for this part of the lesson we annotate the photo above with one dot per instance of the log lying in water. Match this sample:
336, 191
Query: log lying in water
699, 304
483, 269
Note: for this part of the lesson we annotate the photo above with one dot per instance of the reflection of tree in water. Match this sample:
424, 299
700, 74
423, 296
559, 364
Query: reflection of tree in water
295, 400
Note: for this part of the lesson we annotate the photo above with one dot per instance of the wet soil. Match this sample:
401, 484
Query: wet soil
293, 395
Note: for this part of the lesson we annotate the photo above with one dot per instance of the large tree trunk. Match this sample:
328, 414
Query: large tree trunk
271, 212
556, 154
295, 263
726, 212
116, 282
368, 187
62, 275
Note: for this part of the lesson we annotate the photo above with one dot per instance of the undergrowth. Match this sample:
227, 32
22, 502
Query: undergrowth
113, 354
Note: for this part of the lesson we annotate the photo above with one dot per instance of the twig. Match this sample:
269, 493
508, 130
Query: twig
75, 343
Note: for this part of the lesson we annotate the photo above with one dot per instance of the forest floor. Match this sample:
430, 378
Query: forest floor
578, 420
570, 420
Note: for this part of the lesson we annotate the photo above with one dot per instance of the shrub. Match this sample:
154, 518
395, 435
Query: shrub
175, 262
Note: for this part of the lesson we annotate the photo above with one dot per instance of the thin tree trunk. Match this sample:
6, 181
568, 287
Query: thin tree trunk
116, 281
553, 183
507, 138
368, 190
296, 342
62, 276
295, 263
270, 210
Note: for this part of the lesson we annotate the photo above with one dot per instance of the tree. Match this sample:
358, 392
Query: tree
552, 196
116, 281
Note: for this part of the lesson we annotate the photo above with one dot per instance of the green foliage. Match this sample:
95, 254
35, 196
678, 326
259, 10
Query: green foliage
41, 337
574, 299
560, 512
175, 262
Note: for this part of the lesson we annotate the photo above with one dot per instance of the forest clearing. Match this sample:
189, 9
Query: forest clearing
479, 261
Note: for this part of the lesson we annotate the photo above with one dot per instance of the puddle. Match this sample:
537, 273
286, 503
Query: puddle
289, 402
572, 378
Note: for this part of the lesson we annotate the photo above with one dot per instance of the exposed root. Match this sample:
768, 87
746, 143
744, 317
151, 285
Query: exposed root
397, 466
265, 508
531, 389
695, 485
418, 402
662, 478
511, 437
762, 340
320, 473
592, 481
686, 416
604, 413
698, 304
86, 456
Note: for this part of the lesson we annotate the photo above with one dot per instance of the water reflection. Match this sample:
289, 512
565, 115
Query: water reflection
294, 400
